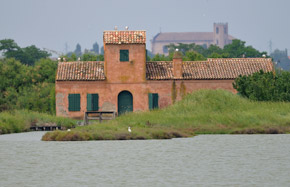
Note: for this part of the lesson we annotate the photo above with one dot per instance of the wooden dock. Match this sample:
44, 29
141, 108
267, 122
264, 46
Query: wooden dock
99, 115
45, 127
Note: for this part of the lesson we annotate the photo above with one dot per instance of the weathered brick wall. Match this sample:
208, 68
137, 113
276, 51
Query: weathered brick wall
125, 72
168, 92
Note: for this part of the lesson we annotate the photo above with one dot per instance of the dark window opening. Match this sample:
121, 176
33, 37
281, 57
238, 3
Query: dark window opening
74, 102
92, 102
165, 49
124, 55
217, 30
153, 100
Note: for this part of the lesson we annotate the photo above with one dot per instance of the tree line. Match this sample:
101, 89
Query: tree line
264, 86
193, 52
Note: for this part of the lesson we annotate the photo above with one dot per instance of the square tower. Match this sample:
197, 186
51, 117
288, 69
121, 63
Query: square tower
125, 56
220, 32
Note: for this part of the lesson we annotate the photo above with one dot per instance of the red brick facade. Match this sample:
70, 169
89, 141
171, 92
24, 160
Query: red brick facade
171, 80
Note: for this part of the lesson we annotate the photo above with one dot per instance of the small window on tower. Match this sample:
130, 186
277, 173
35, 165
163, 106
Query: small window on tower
124, 55
165, 49
217, 30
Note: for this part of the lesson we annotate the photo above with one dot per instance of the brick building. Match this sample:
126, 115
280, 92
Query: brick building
126, 82
219, 37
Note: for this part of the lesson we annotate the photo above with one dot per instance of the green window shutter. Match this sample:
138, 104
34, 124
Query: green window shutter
124, 55
74, 102
78, 102
70, 102
155, 100
89, 102
150, 99
95, 102
92, 102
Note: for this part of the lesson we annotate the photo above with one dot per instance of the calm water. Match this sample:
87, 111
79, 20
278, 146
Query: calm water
207, 160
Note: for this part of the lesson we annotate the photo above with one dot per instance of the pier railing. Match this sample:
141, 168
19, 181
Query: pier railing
98, 115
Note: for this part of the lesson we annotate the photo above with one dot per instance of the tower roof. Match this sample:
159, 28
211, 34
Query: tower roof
124, 37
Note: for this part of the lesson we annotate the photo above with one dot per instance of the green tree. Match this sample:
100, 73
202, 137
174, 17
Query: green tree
193, 56
8, 45
238, 49
89, 57
44, 70
27, 87
28, 55
162, 57
263, 86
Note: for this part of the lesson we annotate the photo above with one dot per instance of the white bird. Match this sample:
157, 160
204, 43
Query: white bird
129, 129
68, 130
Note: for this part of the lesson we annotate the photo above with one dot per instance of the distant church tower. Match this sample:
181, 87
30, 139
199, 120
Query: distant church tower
220, 32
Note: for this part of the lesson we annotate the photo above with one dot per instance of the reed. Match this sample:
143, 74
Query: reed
202, 112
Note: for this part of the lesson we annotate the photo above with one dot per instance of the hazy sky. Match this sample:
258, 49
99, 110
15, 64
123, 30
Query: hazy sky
52, 23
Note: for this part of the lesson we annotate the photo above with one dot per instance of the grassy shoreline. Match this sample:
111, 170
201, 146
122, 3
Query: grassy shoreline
21, 120
202, 112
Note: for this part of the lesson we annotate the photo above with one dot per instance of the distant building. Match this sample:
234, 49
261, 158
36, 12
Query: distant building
126, 82
219, 37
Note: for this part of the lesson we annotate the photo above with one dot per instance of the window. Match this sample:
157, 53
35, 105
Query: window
217, 42
74, 102
153, 100
217, 30
165, 49
124, 55
92, 102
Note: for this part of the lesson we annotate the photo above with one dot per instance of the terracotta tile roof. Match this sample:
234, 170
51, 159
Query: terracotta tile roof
219, 68
80, 71
159, 70
124, 37
225, 68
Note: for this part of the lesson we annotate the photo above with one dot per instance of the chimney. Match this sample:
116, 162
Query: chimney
177, 64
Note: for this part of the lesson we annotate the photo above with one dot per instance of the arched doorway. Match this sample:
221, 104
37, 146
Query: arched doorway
125, 102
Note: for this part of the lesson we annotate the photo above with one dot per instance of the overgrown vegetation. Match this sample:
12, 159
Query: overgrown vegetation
262, 86
202, 112
22, 120
27, 87
27, 55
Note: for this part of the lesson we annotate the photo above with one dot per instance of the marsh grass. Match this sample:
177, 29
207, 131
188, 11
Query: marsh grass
21, 121
202, 112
